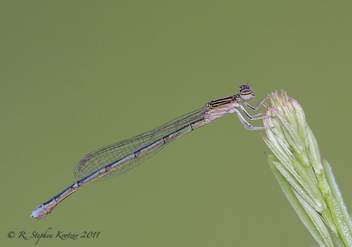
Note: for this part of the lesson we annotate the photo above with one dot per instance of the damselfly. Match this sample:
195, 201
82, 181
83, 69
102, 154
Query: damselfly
115, 159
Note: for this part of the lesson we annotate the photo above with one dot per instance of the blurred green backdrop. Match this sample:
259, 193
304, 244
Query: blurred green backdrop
78, 75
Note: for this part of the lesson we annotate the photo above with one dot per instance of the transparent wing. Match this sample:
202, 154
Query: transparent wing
112, 153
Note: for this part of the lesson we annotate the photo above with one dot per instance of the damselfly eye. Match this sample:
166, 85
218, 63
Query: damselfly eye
243, 87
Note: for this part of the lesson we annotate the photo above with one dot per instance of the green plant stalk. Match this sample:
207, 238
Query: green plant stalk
305, 178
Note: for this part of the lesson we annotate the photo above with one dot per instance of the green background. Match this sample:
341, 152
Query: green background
78, 75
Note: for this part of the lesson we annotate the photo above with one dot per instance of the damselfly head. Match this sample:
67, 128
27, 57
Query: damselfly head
246, 92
